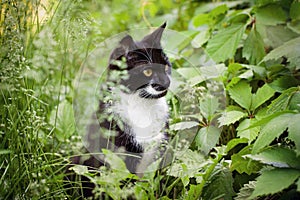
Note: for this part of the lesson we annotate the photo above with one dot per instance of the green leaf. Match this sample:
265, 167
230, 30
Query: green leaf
243, 130
289, 49
254, 49
223, 45
284, 82
64, 120
207, 138
278, 157
114, 161
246, 191
208, 107
242, 164
183, 125
274, 128
80, 169
262, 95
298, 185
201, 38
234, 142
241, 94
230, 117
295, 10
194, 192
281, 103
294, 130
294, 104
273, 181
270, 15
220, 185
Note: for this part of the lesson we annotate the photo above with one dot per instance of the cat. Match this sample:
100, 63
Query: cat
133, 105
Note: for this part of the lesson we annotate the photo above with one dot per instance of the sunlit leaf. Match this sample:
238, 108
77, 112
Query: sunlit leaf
241, 94
230, 117
223, 45
254, 49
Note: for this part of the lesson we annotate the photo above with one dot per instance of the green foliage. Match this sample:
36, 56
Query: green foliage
247, 50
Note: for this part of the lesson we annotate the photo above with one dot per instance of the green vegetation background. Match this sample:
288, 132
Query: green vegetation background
253, 48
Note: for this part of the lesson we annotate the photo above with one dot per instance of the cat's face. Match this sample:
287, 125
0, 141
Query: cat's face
147, 65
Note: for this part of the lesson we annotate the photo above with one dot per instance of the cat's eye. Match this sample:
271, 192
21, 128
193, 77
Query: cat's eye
166, 68
147, 72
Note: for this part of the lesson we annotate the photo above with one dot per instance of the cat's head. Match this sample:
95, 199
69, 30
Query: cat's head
147, 65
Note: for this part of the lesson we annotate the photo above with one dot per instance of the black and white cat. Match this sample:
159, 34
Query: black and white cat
140, 108
136, 111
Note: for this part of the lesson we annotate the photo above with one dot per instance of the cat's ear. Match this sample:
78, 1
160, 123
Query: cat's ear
125, 45
128, 44
153, 39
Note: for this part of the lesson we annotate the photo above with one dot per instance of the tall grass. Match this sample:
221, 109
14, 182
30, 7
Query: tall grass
36, 74
42, 46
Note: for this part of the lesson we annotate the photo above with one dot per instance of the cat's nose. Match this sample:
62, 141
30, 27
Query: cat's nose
158, 87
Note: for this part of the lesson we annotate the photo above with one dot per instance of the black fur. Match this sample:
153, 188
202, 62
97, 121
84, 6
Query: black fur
139, 56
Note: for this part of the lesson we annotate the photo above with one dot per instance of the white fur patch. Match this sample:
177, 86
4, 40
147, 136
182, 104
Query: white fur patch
146, 117
152, 91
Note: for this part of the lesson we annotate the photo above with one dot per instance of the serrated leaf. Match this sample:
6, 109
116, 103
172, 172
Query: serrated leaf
243, 130
276, 180
246, 191
208, 107
223, 45
274, 128
231, 117
241, 94
294, 131
281, 103
183, 125
254, 49
270, 15
207, 138
242, 164
220, 185
278, 157
187, 163
261, 96
289, 49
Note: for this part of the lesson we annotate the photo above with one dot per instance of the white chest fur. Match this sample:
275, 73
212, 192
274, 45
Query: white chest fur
146, 117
